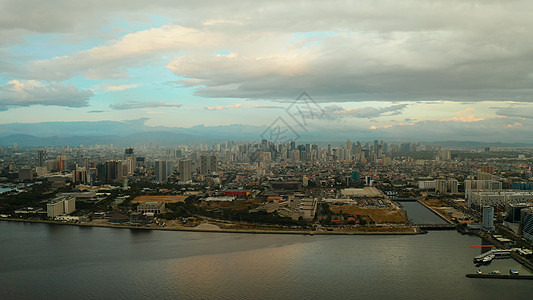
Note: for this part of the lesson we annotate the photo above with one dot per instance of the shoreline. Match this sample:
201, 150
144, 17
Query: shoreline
249, 231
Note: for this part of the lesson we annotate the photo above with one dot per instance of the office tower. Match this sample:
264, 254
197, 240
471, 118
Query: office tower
26, 173
526, 223
128, 152
62, 163
114, 171
79, 176
101, 172
42, 156
185, 169
85, 163
488, 218
170, 168
213, 164
204, 164
139, 162
161, 173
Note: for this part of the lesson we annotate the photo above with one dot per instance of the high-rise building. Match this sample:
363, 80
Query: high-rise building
526, 223
185, 170
453, 186
114, 171
161, 173
488, 218
204, 164
213, 164
26, 173
79, 175
42, 156
441, 186
62, 163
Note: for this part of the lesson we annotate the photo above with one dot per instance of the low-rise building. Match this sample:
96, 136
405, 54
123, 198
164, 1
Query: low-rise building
151, 206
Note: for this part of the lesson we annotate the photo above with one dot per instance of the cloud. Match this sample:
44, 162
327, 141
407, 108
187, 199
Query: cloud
31, 92
117, 88
515, 110
372, 112
113, 59
137, 105
236, 106
338, 52
515, 125
467, 115
333, 112
374, 51
500, 129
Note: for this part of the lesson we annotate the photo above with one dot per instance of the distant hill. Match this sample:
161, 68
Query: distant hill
477, 145
135, 132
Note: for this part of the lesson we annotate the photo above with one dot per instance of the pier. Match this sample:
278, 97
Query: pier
495, 276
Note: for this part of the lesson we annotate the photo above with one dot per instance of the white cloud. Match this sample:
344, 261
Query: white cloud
32, 92
113, 59
236, 106
138, 105
118, 88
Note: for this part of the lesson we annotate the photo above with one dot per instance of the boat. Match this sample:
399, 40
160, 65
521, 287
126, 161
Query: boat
479, 271
488, 258
484, 259
513, 272
495, 272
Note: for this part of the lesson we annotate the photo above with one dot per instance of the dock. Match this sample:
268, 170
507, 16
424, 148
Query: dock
496, 252
495, 276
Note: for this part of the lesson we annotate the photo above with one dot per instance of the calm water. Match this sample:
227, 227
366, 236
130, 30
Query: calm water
54, 261
418, 214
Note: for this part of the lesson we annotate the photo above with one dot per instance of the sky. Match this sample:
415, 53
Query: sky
455, 70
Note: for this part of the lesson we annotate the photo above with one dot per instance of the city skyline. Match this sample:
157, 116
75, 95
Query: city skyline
431, 71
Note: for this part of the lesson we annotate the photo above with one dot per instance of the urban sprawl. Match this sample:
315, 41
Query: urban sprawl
348, 188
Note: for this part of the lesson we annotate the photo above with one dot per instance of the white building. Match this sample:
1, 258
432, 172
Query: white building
61, 206
426, 185
498, 198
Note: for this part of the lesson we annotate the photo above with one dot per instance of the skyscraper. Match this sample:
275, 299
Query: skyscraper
62, 163
488, 218
185, 169
161, 174
114, 171
213, 163
204, 164
42, 157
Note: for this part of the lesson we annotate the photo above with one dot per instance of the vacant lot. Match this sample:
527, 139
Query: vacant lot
166, 199
377, 215
435, 203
